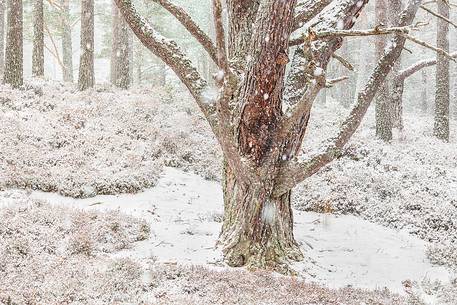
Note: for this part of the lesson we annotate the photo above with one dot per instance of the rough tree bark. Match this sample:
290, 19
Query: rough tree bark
2, 36
86, 65
120, 55
67, 46
261, 114
383, 102
396, 88
14, 45
441, 128
38, 39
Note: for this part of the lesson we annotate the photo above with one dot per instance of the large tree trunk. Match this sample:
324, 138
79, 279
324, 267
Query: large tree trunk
383, 107
120, 66
67, 46
86, 65
257, 230
14, 45
441, 128
2, 36
38, 39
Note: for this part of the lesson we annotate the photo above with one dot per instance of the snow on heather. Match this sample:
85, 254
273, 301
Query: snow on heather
103, 141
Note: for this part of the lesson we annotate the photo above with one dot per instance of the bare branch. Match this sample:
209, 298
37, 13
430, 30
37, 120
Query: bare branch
344, 62
429, 46
186, 20
294, 172
220, 36
330, 82
439, 16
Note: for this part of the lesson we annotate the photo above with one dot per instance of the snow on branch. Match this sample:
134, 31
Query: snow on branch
439, 16
170, 53
220, 36
295, 171
186, 20
407, 72
308, 10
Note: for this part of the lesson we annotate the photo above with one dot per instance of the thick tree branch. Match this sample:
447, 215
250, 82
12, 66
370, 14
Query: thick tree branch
186, 20
308, 10
220, 36
169, 52
294, 172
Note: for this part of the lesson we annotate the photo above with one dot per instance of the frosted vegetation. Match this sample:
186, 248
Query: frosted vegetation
100, 114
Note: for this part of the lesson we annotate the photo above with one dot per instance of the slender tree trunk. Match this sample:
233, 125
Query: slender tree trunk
441, 128
2, 36
86, 65
38, 39
14, 45
120, 51
67, 46
396, 101
383, 107
131, 54
424, 97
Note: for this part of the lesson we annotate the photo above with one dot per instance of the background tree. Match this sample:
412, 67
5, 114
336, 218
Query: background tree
441, 128
383, 102
2, 36
120, 50
38, 39
260, 118
86, 64
14, 45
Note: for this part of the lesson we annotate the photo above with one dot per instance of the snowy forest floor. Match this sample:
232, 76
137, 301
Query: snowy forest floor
107, 142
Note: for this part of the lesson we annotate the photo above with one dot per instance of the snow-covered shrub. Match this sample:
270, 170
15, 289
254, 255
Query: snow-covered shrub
107, 141
55, 255
443, 255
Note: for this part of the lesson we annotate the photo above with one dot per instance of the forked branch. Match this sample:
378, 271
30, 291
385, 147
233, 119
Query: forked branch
294, 172
186, 20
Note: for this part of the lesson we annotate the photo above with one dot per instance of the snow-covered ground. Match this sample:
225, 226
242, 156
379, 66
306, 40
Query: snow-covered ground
185, 210
394, 208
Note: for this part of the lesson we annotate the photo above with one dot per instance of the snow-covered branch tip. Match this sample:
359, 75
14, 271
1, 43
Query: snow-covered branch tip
439, 16
189, 24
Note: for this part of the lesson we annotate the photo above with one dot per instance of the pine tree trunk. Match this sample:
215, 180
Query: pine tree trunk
257, 230
67, 47
86, 65
383, 107
2, 36
120, 51
424, 98
38, 39
441, 128
396, 101
14, 45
